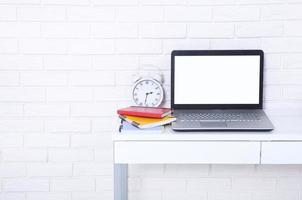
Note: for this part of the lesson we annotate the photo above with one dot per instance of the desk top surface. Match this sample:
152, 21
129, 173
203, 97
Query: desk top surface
286, 129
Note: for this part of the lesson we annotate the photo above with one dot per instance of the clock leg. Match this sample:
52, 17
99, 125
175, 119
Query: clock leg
120, 182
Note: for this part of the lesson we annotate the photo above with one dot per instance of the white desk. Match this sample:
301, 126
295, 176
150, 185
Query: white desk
281, 146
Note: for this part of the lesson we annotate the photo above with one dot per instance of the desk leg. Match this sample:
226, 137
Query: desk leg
120, 181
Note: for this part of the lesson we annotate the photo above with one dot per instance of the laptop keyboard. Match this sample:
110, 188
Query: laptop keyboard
219, 117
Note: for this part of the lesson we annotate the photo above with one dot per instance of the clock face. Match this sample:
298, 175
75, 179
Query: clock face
147, 92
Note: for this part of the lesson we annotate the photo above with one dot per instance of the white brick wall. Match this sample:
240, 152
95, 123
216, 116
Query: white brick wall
67, 65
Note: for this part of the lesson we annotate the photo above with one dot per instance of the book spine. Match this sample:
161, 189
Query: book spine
139, 114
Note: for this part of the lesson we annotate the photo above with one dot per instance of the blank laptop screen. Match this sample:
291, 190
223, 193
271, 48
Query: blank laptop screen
232, 79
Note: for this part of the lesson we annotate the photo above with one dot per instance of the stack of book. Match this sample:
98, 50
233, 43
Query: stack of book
150, 120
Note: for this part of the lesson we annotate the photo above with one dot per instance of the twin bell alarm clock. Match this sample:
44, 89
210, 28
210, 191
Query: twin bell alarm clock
148, 90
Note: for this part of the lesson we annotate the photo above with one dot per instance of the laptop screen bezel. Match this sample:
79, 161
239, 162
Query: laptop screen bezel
216, 53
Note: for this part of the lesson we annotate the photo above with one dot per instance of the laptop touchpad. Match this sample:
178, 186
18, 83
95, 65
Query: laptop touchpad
213, 124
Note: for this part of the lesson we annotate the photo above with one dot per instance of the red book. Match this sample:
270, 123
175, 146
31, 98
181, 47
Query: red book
145, 111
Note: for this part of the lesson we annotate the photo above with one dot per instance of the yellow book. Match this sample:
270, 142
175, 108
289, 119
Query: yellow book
147, 122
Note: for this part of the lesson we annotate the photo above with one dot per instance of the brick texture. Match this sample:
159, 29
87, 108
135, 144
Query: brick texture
67, 65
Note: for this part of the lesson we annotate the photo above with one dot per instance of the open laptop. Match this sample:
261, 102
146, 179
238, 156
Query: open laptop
218, 90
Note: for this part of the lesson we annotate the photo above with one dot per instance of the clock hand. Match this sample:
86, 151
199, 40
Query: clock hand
146, 98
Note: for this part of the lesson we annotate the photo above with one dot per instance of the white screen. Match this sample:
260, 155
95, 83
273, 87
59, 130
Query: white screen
217, 79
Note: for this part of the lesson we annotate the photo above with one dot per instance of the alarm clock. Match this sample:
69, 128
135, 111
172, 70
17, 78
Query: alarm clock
148, 91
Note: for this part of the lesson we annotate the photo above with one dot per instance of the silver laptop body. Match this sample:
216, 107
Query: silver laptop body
218, 90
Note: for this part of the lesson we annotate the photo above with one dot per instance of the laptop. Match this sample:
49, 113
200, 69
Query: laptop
218, 90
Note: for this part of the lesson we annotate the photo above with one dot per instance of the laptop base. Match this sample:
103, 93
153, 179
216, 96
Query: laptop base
181, 124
